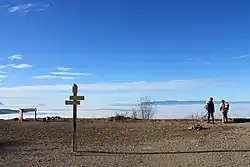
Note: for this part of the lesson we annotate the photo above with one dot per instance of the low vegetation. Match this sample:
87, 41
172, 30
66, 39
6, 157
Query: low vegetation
143, 110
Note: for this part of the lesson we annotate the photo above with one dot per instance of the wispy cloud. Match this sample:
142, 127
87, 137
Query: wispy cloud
198, 59
3, 76
3, 72
173, 84
241, 57
23, 7
68, 78
27, 7
70, 73
19, 66
44, 77
64, 68
52, 77
15, 57
4, 66
61, 74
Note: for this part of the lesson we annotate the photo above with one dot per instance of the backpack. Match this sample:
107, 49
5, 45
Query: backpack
206, 106
227, 106
223, 107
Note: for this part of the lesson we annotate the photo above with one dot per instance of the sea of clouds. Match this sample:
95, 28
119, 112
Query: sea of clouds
162, 111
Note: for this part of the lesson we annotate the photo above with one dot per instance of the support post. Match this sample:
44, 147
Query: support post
74, 100
74, 125
35, 113
20, 114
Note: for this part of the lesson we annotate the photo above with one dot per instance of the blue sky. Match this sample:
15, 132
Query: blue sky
118, 51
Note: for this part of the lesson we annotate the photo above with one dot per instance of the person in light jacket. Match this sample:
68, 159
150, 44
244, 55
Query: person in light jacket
224, 108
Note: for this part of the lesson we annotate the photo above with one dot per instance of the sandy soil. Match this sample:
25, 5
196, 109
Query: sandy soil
130, 143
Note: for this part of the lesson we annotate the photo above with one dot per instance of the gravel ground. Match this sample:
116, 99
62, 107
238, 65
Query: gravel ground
130, 143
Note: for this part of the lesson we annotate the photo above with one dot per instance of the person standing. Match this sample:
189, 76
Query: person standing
210, 110
224, 107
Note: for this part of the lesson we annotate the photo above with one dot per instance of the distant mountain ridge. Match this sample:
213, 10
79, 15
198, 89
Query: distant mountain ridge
8, 111
11, 111
178, 102
157, 103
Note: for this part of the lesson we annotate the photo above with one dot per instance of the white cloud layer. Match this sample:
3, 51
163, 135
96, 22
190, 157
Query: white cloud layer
68, 78
168, 111
3, 76
173, 84
64, 68
241, 57
15, 66
3, 72
28, 7
21, 66
44, 77
62, 73
70, 73
4, 66
15, 57
20, 7
52, 77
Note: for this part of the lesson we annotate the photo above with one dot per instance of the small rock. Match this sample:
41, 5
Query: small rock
15, 119
197, 127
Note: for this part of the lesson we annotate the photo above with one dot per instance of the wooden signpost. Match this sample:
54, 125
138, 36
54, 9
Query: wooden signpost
74, 100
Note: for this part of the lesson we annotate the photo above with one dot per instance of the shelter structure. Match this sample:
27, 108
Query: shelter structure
23, 110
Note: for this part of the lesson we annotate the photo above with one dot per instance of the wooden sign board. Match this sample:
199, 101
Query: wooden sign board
76, 97
68, 102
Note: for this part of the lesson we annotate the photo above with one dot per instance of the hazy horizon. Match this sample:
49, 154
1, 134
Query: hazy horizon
162, 111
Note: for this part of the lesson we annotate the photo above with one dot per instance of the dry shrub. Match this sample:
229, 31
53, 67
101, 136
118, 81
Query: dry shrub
119, 117
145, 109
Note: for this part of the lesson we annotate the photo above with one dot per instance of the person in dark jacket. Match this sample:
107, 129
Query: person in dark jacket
210, 110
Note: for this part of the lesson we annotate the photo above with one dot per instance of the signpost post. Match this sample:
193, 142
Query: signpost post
74, 100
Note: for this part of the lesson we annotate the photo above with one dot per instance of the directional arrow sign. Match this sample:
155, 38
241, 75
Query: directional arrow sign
68, 102
76, 97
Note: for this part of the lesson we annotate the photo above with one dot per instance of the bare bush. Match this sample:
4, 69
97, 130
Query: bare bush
198, 118
145, 109
122, 114
134, 113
